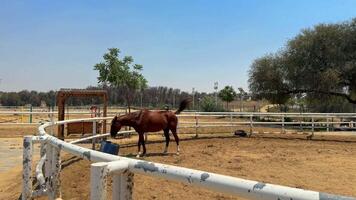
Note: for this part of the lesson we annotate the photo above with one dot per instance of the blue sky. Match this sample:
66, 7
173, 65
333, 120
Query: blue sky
183, 44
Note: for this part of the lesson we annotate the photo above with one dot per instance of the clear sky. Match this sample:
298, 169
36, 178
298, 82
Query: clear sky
180, 43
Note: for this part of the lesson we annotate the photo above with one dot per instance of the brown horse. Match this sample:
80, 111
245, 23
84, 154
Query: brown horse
144, 121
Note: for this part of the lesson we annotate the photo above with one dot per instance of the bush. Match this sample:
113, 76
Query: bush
208, 105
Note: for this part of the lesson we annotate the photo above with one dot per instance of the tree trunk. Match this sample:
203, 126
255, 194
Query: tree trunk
128, 99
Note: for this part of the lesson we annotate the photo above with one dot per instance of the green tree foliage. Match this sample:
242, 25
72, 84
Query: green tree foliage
208, 104
320, 61
227, 94
118, 72
152, 97
25, 97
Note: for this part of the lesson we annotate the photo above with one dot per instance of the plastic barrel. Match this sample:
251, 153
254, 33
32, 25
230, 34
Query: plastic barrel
108, 147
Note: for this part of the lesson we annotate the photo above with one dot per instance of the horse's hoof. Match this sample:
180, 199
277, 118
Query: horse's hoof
165, 152
177, 153
138, 155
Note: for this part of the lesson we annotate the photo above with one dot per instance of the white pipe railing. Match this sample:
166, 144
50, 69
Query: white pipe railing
122, 169
278, 119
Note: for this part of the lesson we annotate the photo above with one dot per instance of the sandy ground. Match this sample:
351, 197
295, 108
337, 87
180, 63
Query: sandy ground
325, 164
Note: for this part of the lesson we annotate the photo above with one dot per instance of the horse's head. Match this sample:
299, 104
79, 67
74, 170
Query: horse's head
115, 127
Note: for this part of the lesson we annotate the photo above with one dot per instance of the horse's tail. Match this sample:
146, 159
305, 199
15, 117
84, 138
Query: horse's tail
183, 105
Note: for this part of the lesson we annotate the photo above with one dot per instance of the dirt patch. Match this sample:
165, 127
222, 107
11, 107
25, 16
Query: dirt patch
316, 165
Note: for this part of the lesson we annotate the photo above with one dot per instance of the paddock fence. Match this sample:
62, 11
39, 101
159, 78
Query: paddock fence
46, 181
281, 122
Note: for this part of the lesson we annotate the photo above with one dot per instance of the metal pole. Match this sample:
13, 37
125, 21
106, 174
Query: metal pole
30, 113
94, 133
231, 125
122, 180
193, 93
196, 125
22, 114
122, 186
251, 125
312, 126
283, 130
327, 125
98, 181
300, 125
56, 168
52, 120
216, 93
27, 168
48, 170
332, 125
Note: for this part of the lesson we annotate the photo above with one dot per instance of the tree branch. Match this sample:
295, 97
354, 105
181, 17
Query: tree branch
347, 97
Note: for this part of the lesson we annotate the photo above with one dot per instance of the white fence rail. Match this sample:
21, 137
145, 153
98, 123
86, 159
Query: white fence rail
309, 122
122, 170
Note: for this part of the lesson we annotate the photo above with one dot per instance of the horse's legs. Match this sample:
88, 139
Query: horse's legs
176, 138
141, 136
141, 141
139, 146
166, 135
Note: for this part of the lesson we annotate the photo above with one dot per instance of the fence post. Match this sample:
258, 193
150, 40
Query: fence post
196, 125
122, 181
301, 119
231, 125
30, 113
251, 125
48, 168
122, 186
55, 172
27, 168
98, 181
93, 141
283, 130
327, 125
52, 120
313, 126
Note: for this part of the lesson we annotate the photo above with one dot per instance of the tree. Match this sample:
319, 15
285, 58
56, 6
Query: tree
266, 80
208, 105
118, 72
320, 61
227, 94
241, 96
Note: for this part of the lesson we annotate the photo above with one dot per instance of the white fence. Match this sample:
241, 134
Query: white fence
294, 121
122, 170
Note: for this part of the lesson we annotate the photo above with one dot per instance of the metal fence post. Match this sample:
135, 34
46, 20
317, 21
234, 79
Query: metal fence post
196, 125
98, 181
52, 120
30, 119
283, 130
312, 125
122, 180
332, 125
55, 181
251, 124
231, 125
301, 124
327, 125
27, 168
94, 133
122, 186
48, 168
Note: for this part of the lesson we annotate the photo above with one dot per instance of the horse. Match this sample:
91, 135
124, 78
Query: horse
144, 121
